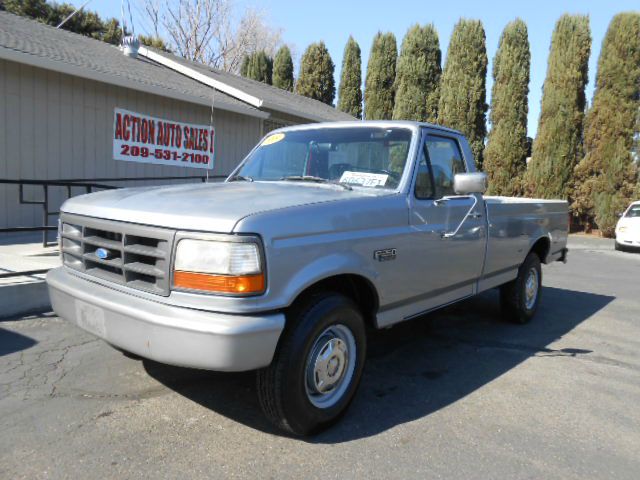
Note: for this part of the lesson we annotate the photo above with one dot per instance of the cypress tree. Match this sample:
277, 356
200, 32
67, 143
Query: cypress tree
316, 74
558, 143
506, 152
283, 69
379, 89
350, 91
607, 176
151, 41
259, 67
463, 88
84, 22
418, 75
244, 67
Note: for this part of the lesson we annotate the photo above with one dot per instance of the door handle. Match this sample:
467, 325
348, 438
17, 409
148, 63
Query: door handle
475, 215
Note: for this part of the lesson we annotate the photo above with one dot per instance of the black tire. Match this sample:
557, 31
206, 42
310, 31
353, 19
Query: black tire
617, 246
516, 306
283, 385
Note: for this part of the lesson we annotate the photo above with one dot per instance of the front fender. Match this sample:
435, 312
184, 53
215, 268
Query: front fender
325, 267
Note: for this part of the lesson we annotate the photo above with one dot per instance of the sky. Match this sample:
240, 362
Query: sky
332, 21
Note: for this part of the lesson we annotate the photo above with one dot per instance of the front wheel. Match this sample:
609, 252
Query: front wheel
519, 298
317, 367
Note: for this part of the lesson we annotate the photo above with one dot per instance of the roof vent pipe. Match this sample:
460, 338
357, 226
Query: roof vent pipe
130, 46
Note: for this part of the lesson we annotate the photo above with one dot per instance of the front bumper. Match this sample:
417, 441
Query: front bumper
164, 333
628, 240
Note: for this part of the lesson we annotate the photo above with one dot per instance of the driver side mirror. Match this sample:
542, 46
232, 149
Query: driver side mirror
470, 183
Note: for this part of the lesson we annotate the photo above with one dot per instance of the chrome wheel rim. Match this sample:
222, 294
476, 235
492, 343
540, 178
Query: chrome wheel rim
531, 288
330, 366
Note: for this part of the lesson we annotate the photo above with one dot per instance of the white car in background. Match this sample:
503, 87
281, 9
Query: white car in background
628, 228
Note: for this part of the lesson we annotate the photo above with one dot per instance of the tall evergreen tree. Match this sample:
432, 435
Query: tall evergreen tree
607, 176
506, 153
37, 9
379, 91
350, 91
316, 74
283, 69
153, 41
259, 67
244, 66
557, 147
463, 88
84, 22
418, 75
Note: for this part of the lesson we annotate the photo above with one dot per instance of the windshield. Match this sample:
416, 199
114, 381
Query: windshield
634, 211
371, 157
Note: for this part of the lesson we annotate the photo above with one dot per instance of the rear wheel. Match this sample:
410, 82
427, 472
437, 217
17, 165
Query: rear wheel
317, 367
519, 298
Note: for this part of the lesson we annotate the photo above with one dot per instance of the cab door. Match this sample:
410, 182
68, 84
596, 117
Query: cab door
449, 231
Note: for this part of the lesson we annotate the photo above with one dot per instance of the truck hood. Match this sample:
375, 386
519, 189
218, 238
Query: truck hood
211, 207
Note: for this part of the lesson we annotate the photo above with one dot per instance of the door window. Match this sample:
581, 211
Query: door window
446, 161
424, 187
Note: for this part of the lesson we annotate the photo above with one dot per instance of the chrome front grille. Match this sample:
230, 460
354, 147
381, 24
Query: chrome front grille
133, 255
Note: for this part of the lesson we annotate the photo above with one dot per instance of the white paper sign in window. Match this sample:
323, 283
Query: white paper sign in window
364, 179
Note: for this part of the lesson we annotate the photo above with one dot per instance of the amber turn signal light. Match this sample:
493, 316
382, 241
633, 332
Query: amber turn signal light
242, 284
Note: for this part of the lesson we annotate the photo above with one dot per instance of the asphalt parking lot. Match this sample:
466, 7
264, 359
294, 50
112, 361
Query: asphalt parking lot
456, 394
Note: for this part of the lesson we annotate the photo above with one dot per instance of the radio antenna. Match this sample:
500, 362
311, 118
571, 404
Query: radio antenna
73, 14
211, 131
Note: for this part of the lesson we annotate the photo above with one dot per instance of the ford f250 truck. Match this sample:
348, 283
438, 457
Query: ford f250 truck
322, 232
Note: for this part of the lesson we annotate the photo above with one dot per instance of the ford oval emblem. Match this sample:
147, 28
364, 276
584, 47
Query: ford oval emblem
102, 253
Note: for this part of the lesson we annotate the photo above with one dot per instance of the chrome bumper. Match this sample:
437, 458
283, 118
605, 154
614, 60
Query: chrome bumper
164, 333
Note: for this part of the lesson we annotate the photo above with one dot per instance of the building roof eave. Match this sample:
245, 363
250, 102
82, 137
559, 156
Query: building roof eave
76, 71
199, 77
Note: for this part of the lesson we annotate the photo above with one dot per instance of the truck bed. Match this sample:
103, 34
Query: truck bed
513, 223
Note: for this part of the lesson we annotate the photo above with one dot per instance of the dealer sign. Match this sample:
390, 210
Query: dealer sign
144, 139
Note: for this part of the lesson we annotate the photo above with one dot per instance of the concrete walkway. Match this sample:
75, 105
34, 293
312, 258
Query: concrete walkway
26, 293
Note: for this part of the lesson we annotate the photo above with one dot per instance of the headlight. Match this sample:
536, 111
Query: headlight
218, 266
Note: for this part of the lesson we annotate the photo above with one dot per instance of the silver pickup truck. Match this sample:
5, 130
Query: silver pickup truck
321, 232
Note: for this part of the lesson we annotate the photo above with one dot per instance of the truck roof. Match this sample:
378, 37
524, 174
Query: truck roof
369, 123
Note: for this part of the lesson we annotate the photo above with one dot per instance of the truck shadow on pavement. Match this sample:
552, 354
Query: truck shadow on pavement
11, 342
415, 368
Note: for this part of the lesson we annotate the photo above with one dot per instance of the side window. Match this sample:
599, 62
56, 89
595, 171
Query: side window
424, 187
446, 161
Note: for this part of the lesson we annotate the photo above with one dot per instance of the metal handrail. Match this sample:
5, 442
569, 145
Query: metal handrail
26, 273
131, 179
88, 184
56, 183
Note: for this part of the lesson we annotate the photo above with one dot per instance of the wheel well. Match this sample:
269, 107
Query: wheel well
541, 248
357, 288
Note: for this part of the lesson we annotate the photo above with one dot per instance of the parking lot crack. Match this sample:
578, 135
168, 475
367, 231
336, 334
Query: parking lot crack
58, 364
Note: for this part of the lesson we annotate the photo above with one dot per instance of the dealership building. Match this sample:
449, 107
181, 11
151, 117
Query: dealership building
75, 108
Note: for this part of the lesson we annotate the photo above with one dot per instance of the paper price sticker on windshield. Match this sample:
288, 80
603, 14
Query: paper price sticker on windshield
364, 179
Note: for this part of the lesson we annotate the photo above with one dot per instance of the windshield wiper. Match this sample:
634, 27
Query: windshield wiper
305, 178
312, 178
239, 178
